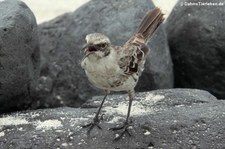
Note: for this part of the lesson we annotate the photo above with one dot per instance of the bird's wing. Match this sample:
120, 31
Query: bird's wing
133, 54
132, 57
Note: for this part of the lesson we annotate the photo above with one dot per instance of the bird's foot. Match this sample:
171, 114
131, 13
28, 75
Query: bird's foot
94, 123
124, 128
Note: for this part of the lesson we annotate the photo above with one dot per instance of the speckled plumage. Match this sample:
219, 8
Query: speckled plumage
118, 68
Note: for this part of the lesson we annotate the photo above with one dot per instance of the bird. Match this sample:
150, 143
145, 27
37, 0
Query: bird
118, 68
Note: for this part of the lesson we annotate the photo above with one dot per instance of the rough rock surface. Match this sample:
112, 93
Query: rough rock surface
178, 118
196, 39
19, 55
63, 81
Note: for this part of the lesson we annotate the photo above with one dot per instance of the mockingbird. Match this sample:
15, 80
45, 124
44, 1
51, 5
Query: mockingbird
118, 68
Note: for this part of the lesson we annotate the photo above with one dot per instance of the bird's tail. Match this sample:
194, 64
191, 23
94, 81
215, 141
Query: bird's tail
150, 23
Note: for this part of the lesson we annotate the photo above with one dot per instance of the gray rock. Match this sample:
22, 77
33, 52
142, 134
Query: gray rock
179, 118
196, 39
19, 55
62, 39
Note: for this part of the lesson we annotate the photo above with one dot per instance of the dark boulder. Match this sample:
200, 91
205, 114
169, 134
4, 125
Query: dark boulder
63, 82
196, 39
178, 118
19, 55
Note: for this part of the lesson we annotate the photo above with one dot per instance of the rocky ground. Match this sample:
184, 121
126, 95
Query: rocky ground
176, 118
45, 97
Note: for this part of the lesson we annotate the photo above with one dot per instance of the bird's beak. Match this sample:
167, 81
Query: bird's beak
85, 48
88, 49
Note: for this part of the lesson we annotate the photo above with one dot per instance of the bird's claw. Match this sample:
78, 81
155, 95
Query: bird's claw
94, 123
125, 129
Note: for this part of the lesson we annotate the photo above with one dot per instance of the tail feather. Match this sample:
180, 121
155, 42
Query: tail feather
150, 23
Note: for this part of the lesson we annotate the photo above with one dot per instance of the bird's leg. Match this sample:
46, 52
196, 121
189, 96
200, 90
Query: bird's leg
96, 119
127, 123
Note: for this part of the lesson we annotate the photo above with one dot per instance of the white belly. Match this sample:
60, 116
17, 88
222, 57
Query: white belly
105, 73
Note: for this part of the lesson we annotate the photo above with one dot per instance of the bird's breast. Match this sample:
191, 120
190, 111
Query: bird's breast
105, 73
100, 66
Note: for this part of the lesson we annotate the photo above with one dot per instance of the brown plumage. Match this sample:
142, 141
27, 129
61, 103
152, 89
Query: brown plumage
137, 43
118, 68
150, 23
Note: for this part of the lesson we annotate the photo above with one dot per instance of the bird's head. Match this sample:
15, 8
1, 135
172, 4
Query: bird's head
97, 45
